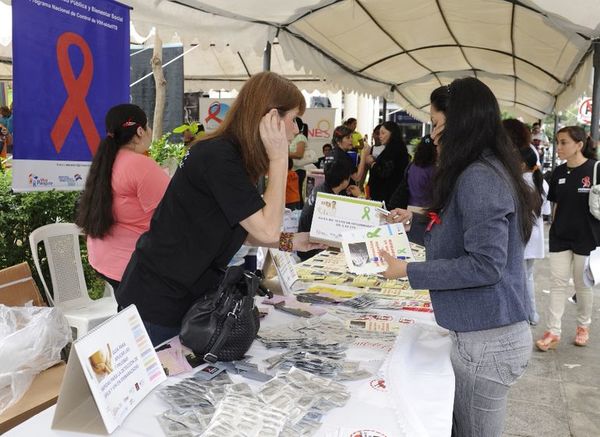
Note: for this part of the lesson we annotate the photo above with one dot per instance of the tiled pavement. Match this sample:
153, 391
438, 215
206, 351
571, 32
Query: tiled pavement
559, 395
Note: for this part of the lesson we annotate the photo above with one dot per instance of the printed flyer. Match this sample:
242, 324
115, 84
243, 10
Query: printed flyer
362, 248
335, 215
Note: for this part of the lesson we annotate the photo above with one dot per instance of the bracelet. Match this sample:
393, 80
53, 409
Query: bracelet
286, 243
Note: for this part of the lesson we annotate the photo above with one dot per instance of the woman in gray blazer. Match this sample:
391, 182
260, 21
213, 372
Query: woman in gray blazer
475, 233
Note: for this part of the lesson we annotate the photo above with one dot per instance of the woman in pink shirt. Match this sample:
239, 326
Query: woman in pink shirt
122, 190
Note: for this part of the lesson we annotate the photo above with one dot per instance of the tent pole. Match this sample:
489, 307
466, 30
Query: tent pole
596, 93
267, 57
384, 109
266, 67
556, 121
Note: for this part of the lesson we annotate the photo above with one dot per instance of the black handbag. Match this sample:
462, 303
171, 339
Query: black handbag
222, 325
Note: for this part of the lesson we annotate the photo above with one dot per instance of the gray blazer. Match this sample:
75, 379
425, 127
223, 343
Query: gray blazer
474, 267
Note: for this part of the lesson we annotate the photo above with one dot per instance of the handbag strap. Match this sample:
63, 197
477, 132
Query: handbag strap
595, 177
212, 355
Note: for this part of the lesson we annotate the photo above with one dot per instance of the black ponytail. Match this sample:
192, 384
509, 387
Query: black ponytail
94, 214
530, 160
589, 148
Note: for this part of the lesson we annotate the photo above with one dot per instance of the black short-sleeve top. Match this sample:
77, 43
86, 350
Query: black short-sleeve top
574, 227
194, 232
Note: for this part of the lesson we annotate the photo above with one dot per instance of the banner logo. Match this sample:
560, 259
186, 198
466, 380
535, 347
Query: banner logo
322, 130
77, 89
36, 181
216, 114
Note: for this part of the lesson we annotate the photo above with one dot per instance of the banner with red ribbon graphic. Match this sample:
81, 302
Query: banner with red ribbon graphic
71, 64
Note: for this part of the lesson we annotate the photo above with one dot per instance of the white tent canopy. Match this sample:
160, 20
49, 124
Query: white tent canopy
534, 54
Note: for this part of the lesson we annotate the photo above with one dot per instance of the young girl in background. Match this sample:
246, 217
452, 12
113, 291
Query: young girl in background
535, 246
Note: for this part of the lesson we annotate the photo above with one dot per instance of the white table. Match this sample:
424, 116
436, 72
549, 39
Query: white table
416, 402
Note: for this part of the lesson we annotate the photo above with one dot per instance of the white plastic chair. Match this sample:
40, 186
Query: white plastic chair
70, 294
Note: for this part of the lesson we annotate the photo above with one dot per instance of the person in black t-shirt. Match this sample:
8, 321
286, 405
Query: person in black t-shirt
573, 235
212, 206
342, 144
337, 181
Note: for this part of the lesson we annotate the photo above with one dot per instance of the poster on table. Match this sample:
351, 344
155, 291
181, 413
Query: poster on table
109, 372
70, 65
334, 215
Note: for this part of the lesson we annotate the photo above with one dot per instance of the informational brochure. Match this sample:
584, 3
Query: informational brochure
284, 263
176, 358
362, 249
335, 215
109, 372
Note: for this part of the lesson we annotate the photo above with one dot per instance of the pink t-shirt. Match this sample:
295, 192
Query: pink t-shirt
138, 185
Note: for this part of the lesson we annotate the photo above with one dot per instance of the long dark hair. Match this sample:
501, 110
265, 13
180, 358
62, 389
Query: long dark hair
439, 98
531, 162
94, 214
396, 144
472, 126
518, 133
425, 153
302, 127
578, 134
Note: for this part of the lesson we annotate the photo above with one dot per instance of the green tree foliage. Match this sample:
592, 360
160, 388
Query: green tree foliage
21, 213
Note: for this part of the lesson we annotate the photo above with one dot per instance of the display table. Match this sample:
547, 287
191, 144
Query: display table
412, 396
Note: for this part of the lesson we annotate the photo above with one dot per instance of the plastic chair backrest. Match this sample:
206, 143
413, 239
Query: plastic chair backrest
61, 242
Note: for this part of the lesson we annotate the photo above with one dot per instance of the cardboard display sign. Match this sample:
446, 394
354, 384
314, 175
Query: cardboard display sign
335, 215
109, 372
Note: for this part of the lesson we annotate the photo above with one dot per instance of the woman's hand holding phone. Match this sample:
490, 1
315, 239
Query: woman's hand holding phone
274, 137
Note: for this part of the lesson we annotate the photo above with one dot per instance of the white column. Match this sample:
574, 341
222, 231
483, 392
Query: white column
365, 115
336, 102
350, 106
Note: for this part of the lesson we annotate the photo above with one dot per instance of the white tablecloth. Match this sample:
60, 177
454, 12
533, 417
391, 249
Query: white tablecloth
417, 400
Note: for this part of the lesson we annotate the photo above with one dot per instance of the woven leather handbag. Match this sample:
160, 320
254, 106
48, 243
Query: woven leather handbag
222, 325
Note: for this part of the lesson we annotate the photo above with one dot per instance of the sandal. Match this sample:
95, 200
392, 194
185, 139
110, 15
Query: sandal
548, 341
582, 336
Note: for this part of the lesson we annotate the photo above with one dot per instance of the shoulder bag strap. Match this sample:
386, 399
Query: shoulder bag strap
595, 177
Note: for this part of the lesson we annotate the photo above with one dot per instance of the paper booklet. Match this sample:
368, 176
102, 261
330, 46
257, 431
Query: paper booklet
362, 248
335, 215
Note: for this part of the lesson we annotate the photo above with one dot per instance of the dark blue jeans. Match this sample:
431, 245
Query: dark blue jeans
158, 333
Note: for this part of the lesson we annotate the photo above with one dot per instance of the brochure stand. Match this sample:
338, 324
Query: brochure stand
109, 372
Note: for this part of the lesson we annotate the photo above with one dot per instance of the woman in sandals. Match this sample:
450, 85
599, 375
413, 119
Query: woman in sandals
573, 235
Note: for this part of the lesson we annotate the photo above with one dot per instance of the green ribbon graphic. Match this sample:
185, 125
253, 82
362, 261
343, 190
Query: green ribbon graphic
366, 212
373, 234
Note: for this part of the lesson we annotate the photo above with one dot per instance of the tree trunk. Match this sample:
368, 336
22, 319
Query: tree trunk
161, 88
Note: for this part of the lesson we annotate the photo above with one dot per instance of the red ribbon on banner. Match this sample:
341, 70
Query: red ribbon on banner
75, 106
213, 111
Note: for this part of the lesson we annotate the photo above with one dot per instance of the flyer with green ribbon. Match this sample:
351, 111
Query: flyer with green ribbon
362, 249
335, 215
